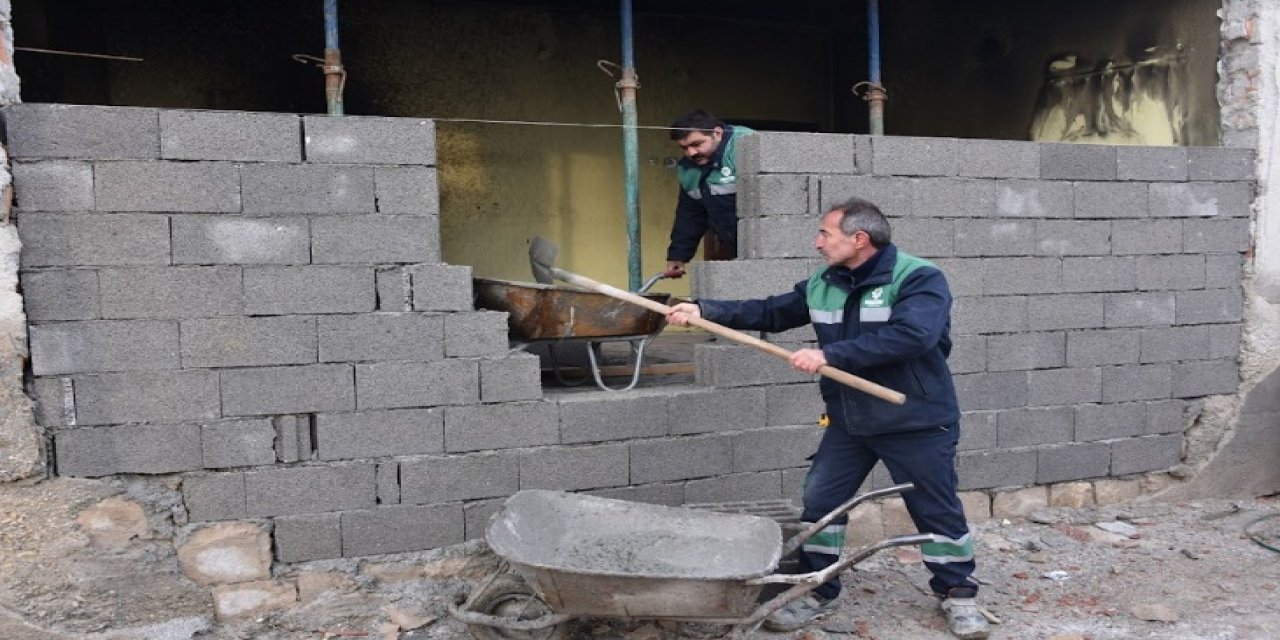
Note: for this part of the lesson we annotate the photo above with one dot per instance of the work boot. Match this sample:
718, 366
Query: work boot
800, 613
965, 618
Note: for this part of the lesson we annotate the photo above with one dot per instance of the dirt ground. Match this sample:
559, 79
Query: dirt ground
1141, 570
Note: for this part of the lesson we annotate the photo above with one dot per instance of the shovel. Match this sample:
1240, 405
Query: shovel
542, 257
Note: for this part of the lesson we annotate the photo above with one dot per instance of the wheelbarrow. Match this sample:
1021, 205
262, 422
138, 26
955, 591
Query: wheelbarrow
557, 316
568, 556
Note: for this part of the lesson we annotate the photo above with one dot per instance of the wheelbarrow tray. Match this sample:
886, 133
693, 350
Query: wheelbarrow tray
596, 557
545, 312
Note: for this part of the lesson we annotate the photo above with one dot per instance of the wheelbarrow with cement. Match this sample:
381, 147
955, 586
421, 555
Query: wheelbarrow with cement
569, 556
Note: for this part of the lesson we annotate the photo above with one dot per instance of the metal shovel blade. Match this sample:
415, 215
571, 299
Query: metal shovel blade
542, 257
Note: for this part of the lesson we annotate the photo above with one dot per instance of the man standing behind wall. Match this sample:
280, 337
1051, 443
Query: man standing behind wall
708, 201
884, 315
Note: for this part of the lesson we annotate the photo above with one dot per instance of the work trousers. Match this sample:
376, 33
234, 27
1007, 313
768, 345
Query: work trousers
925, 457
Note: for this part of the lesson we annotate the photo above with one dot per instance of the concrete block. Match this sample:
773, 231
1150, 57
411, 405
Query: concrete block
161, 396
915, 156
1137, 382
55, 185
1003, 276
103, 345
1223, 271
296, 490
668, 494
1139, 309
81, 131
738, 487
1072, 462
1110, 200
777, 195
477, 516
1224, 341
390, 385
214, 496
1133, 237
802, 335
596, 417
1032, 426
475, 334
1012, 352
1166, 416
373, 434
238, 240
1150, 453
308, 537
734, 366
61, 294
968, 354
248, 341
705, 410
964, 275
1083, 275
788, 404
1064, 386
928, 238
1073, 237
230, 135
996, 468
1068, 311
374, 239
1215, 236
748, 279
1201, 200
205, 187
1104, 421
400, 529
779, 237
978, 430
574, 468
307, 188
450, 478
501, 426
1170, 272
998, 158
1209, 305
54, 401
408, 191
105, 451
52, 239
793, 484
514, 377
395, 291
310, 289
995, 238
1167, 164
381, 337
1065, 161
1194, 379
1220, 164
953, 198
370, 140
388, 477
776, 152
1173, 344
171, 292
775, 447
237, 443
1034, 199
972, 315
891, 195
1092, 348
293, 437
862, 153
1019, 503
298, 389
992, 390
667, 459
438, 287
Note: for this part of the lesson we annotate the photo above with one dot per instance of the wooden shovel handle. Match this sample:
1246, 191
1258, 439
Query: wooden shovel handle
843, 377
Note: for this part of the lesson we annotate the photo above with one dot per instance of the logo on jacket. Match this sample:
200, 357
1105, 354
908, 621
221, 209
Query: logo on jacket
725, 171
875, 298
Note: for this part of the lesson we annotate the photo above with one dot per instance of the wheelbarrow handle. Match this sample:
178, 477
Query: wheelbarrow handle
843, 377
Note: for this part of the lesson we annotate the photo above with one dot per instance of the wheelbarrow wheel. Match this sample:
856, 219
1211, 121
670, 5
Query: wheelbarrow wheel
509, 596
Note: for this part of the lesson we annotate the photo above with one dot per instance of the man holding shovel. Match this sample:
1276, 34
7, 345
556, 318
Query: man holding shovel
883, 315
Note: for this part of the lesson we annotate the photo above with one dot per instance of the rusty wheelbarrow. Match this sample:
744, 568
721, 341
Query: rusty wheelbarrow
542, 313
569, 556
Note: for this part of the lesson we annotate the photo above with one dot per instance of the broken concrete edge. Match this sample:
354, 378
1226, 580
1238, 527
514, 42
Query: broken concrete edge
22, 445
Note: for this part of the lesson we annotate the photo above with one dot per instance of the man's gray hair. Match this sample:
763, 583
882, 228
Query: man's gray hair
859, 215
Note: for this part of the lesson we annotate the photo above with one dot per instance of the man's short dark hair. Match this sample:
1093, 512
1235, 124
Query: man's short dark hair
696, 120
859, 215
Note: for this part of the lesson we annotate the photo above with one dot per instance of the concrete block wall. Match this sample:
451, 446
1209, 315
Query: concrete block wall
1098, 289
